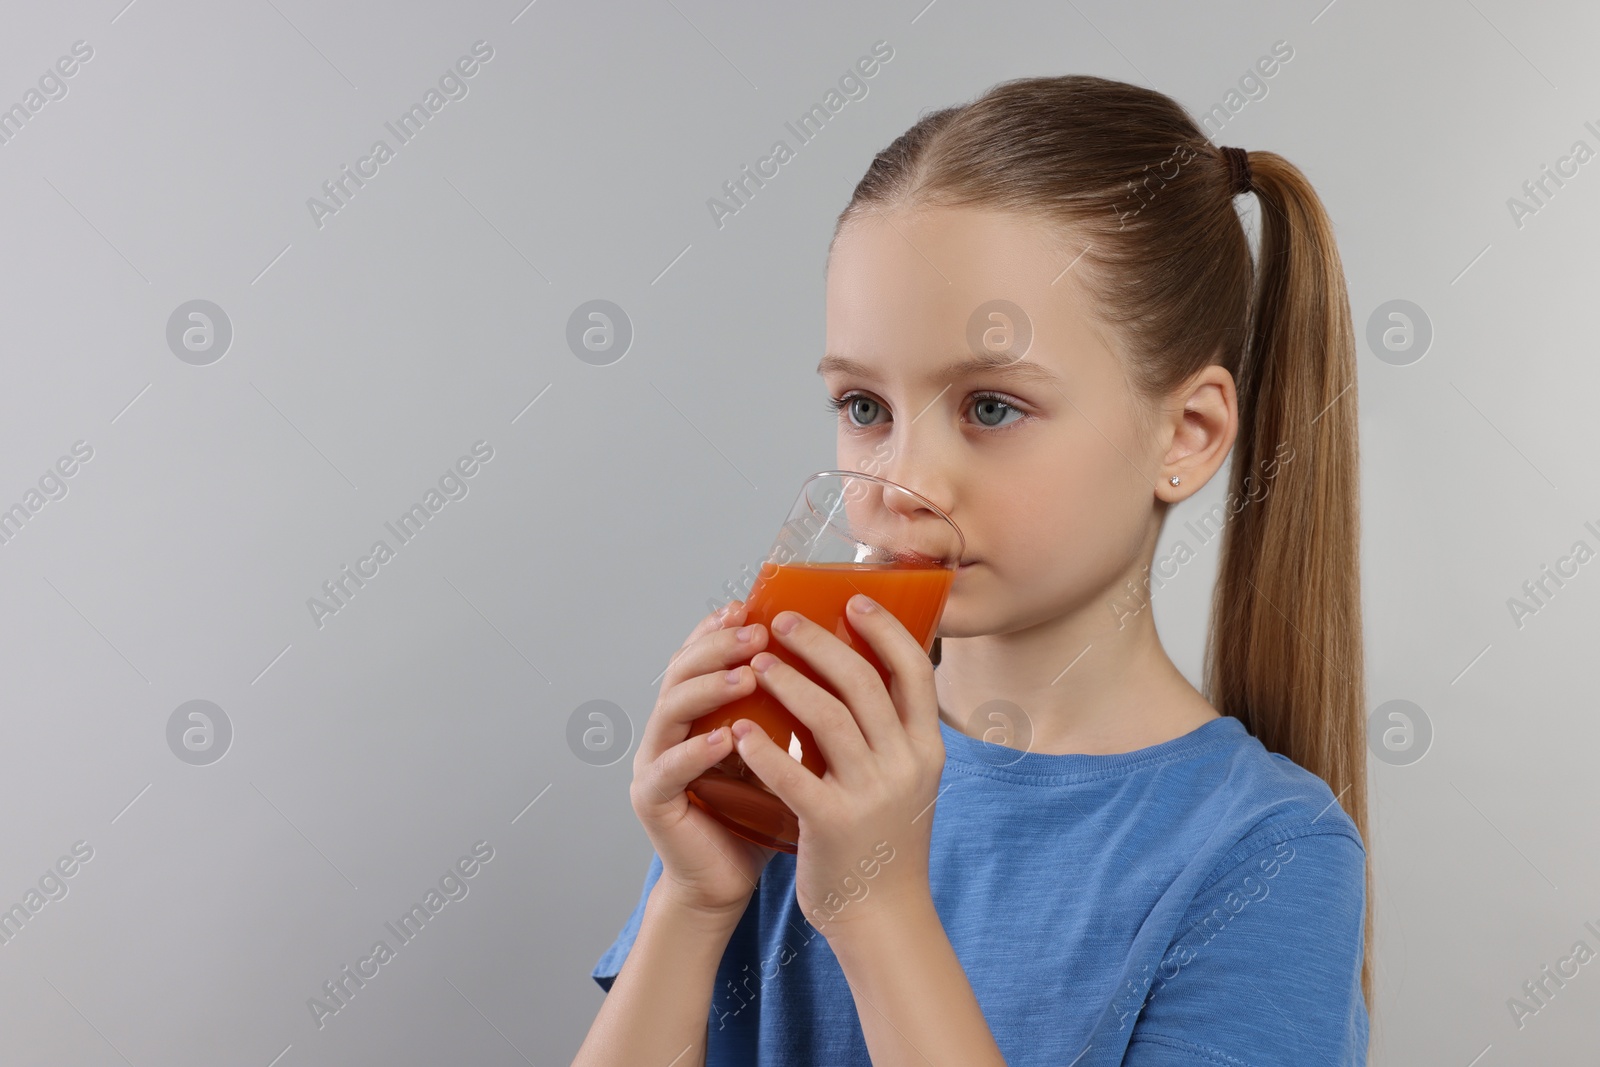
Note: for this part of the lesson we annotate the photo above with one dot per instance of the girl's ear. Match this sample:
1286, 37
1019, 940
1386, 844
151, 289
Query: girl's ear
1203, 422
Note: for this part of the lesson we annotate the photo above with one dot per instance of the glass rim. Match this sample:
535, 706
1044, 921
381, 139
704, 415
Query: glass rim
961, 538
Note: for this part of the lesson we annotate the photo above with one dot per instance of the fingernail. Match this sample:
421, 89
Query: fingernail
741, 728
785, 622
731, 676
763, 661
745, 633
862, 603
714, 738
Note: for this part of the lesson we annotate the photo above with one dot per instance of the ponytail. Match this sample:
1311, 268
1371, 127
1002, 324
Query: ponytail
1284, 650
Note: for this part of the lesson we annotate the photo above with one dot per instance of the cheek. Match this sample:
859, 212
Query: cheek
1061, 514
1028, 504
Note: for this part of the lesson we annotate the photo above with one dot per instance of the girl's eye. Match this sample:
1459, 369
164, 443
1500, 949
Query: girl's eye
986, 406
852, 404
989, 404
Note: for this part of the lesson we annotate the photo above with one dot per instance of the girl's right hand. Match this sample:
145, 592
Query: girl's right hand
705, 866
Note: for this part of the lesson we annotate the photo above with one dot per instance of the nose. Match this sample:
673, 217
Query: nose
914, 506
919, 465
934, 529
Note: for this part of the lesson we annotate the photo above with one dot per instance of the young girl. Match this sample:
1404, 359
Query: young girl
1045, 846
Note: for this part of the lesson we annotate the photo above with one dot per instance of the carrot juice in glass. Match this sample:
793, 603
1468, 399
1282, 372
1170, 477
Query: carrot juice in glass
847, 533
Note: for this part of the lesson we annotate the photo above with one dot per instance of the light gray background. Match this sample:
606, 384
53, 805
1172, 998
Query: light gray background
369, 354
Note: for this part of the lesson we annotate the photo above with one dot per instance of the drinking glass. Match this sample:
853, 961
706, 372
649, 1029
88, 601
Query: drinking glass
847, 533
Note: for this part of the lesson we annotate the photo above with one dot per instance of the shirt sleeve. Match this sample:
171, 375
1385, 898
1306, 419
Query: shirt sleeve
605, 971
1266, 966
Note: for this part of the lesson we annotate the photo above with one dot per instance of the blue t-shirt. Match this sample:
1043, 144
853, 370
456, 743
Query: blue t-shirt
1196, 903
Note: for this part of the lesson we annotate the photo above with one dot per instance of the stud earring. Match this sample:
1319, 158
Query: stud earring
1173, 479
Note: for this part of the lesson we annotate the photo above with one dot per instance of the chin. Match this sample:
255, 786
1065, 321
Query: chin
973, 609
956, 622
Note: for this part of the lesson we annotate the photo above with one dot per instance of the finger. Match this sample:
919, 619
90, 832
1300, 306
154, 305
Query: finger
781, 772
832, 726
687, 701
701, 695
856, 681
712, 621
681, 764
718, 651
716, 620
910, 670
716, 648
725, 615
710, 654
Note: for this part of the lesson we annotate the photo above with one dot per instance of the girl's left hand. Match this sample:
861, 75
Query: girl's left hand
864, 825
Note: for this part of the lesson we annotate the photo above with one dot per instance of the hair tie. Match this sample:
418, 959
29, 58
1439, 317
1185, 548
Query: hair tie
1239, 178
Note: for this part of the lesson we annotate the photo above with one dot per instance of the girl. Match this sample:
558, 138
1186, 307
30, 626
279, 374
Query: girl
1044, 846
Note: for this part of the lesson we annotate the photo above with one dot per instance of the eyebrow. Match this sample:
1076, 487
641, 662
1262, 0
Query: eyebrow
985, 362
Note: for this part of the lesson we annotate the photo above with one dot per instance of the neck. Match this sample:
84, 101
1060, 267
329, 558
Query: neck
1076, 686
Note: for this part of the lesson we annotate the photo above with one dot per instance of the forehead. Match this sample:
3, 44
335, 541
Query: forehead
917, 284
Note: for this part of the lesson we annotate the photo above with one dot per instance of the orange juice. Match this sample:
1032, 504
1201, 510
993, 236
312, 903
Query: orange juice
914, 593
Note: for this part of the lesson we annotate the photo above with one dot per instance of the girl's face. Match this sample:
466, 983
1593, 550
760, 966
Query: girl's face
1044, 464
